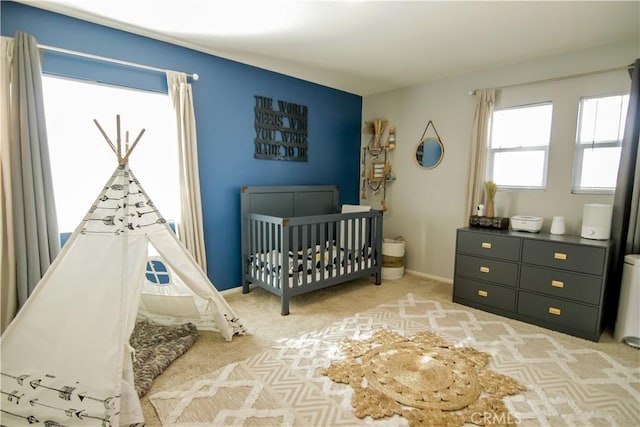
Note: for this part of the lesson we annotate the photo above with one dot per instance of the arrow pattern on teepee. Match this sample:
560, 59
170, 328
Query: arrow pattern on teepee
122, 207
52, 401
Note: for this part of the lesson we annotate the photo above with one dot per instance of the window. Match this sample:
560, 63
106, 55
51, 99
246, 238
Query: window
519, 146
81, 159
157, 272
598, 143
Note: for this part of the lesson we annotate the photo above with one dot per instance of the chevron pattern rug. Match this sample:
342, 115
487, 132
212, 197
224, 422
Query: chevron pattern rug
284, 386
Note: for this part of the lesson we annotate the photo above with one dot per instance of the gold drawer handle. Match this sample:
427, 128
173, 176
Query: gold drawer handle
483, 293
486, 245
556, 311
560, 256
557, 284
484, 269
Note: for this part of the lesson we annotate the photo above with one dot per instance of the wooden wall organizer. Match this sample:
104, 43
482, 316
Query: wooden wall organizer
376, 168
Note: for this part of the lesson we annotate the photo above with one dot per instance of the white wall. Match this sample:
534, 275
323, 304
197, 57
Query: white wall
427, 206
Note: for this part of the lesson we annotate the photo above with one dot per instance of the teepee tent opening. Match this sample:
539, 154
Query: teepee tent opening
66, 357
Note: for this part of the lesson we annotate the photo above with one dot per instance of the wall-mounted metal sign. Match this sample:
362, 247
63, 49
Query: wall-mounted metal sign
281, 134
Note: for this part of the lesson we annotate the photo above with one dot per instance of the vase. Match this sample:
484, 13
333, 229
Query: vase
489, 209
376, 141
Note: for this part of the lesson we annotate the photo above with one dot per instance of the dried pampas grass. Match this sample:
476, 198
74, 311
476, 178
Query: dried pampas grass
375, 127
490, 189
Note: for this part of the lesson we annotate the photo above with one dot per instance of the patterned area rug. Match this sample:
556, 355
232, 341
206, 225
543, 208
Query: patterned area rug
285, 385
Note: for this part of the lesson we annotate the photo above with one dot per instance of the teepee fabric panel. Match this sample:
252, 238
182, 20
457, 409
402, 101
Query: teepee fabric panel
130, 408
180, 306
182, 265
65, 349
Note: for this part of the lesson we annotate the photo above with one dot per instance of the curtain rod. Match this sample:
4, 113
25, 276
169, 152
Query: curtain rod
194, 76
553, 79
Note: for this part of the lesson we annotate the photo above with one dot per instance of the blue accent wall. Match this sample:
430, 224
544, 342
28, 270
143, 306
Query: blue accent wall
223, 103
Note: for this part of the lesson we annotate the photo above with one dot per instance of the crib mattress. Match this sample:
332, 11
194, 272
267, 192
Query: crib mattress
337, 262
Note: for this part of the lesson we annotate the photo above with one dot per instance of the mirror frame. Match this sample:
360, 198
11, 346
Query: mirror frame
433, 140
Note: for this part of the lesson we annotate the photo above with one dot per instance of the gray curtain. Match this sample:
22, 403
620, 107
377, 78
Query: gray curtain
8, 291
625, 224
37, 241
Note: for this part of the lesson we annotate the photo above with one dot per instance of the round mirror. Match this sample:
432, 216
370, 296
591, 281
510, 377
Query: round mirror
429, 152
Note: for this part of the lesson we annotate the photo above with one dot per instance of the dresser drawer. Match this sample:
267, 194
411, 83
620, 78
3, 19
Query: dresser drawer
485, 293
585, 259
491, 270
562, 284
487, 245
558, 312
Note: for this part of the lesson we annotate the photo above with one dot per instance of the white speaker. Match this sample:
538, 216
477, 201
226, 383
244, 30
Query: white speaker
596, 221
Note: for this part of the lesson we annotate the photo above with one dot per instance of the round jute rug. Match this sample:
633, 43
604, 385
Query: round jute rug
420, 376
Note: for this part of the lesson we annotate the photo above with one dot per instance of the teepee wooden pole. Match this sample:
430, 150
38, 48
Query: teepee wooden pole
118, 143
106, 137
122, 157
126, 157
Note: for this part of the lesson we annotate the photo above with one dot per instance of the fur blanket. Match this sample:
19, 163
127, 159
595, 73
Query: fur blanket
156, 347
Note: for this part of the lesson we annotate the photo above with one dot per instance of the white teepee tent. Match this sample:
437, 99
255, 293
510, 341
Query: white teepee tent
65, 358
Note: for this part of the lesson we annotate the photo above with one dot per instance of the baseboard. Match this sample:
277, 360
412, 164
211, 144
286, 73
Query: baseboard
229, 291
430, 276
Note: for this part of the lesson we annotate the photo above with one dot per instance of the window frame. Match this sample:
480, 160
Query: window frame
491, 152
579, 149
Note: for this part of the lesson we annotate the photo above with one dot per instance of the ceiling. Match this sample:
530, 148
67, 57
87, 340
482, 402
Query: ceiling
367, 47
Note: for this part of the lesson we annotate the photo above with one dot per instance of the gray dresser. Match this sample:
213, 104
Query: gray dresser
557, 282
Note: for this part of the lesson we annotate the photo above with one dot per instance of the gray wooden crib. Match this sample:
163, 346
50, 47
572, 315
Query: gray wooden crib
296, 240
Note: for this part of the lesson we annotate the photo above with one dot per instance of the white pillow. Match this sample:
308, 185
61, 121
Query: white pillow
355, 208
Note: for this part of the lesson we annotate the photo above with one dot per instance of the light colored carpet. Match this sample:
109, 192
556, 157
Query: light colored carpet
570, 381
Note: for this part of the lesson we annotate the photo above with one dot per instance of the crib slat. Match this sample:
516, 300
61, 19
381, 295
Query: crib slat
332, 254
264, 249
304, 244
255, 250
283, 278
340, 259
260, 247
251, 252
278, 255
352, 231
313, 244
357, 248
269, 250
323, 251
275, 253
295, 277
362, 248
